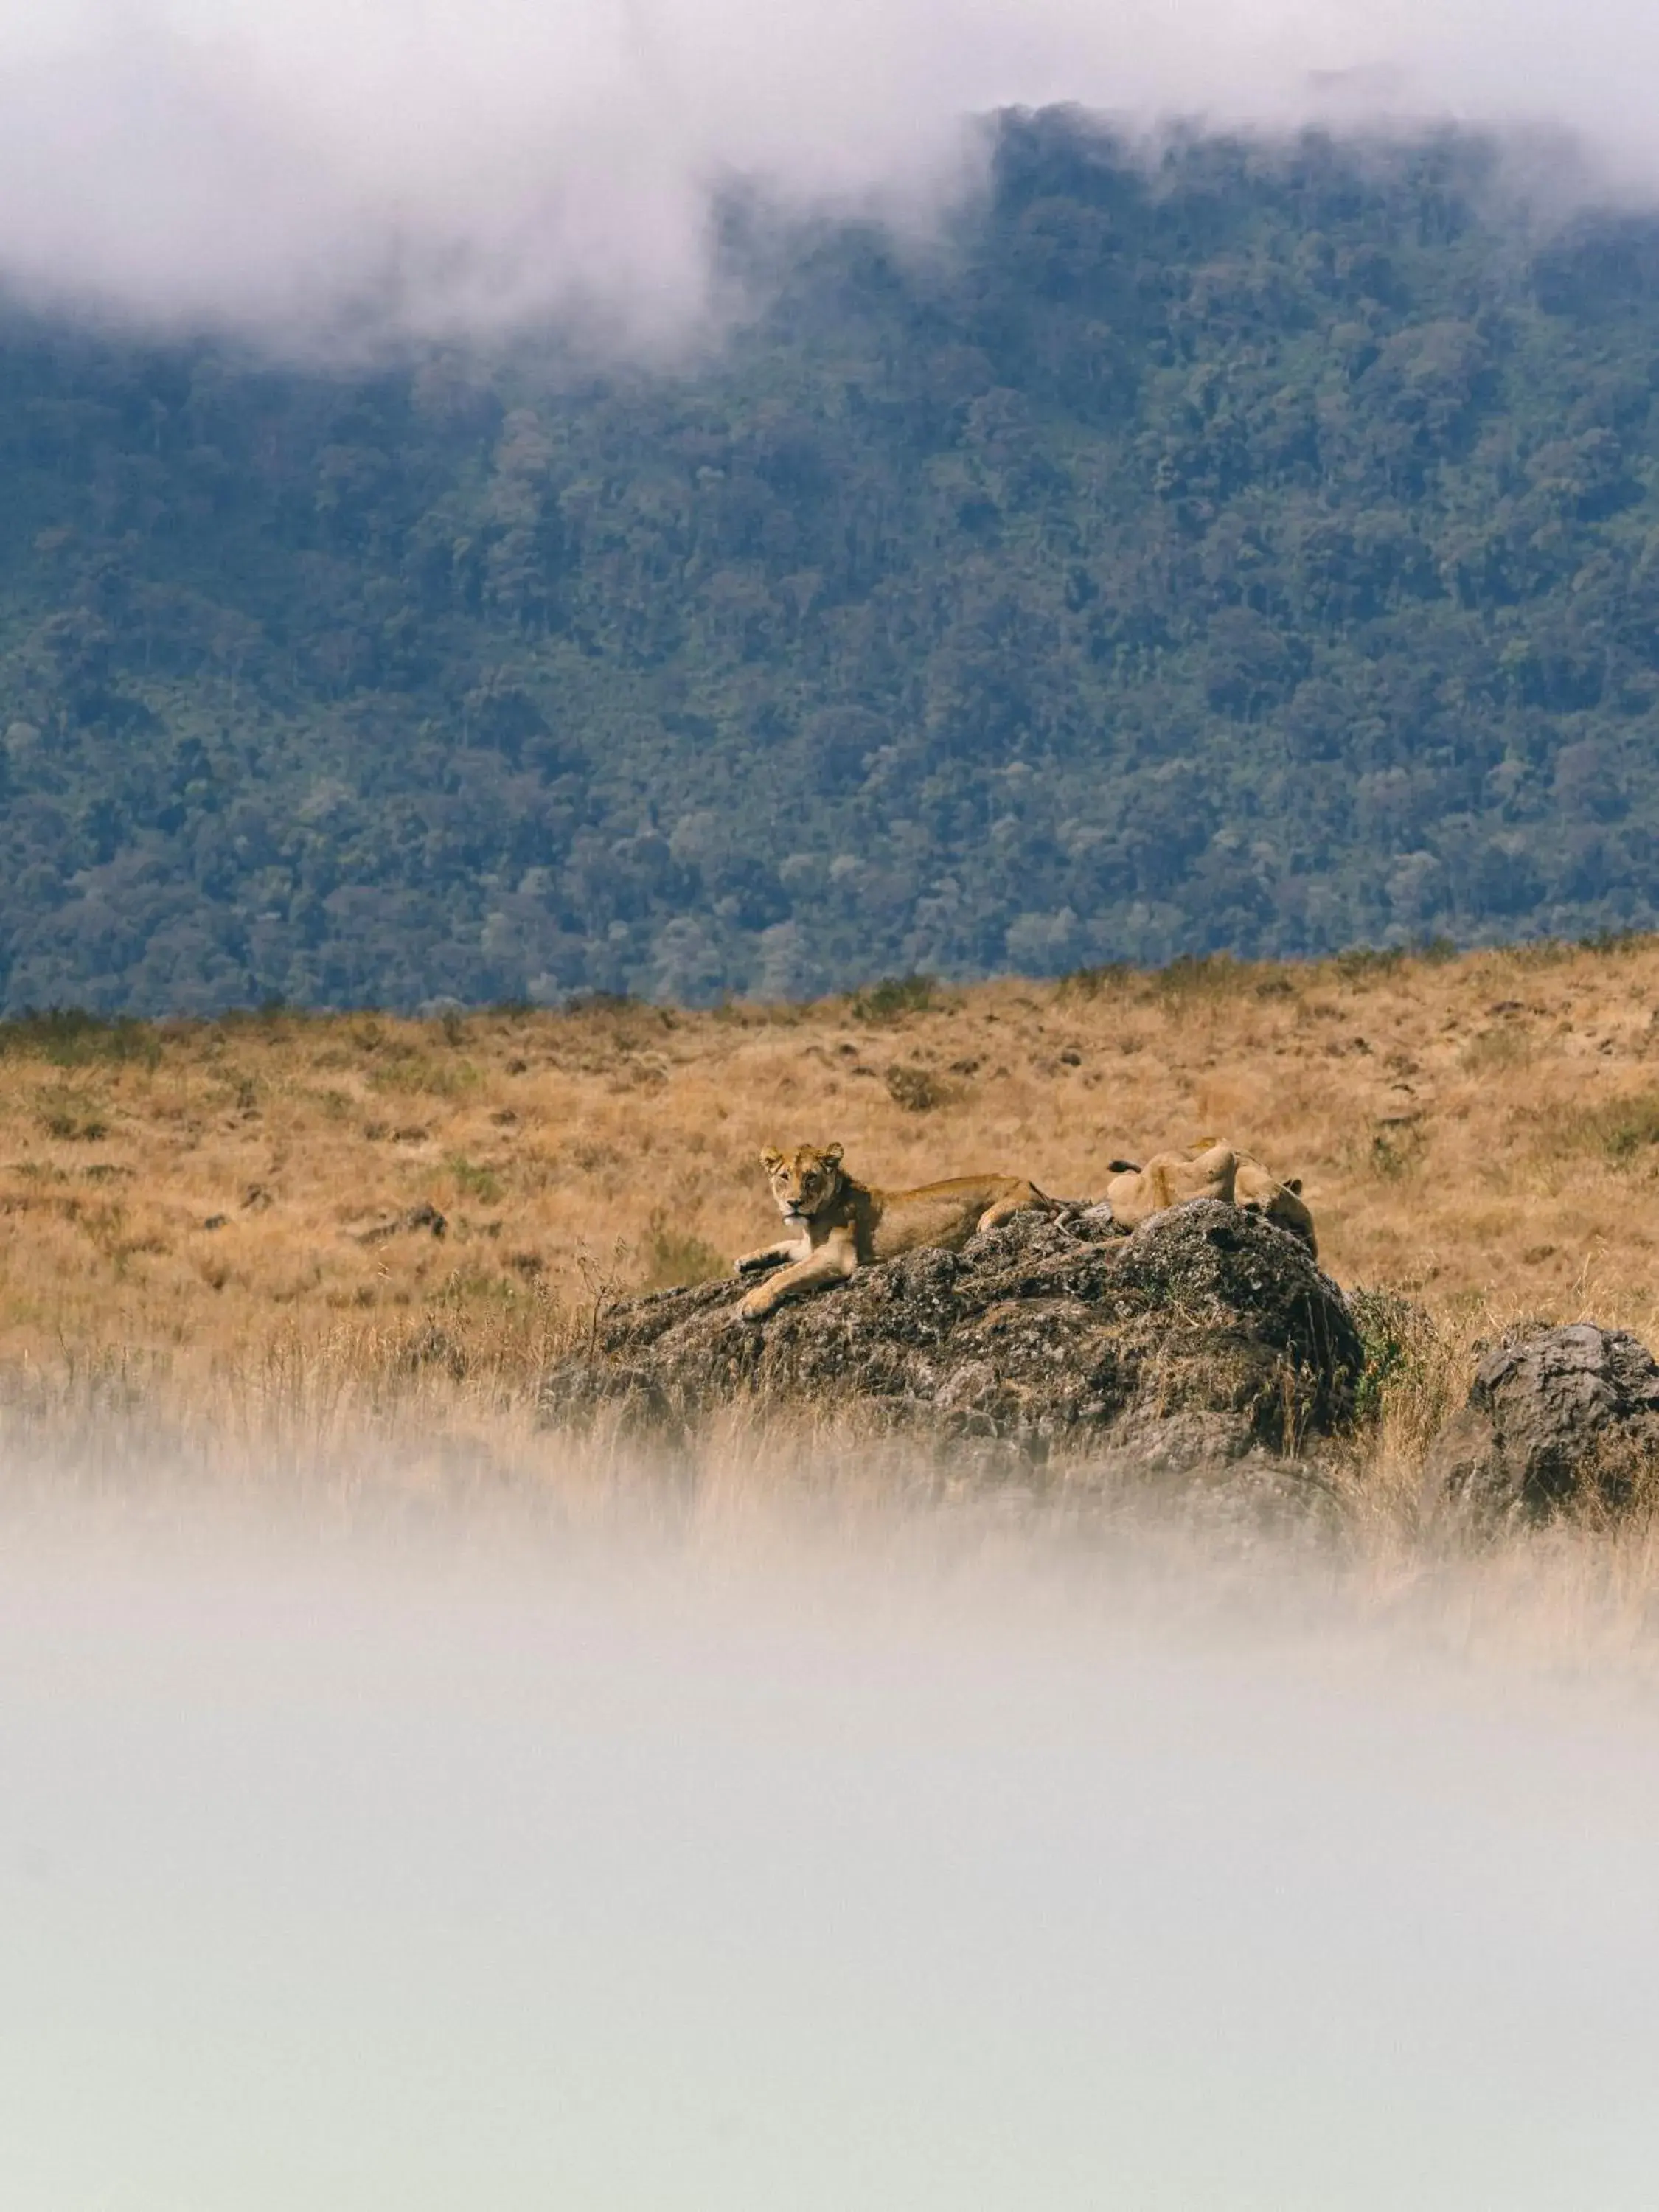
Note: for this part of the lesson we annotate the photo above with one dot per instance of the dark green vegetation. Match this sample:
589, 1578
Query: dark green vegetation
1258, 550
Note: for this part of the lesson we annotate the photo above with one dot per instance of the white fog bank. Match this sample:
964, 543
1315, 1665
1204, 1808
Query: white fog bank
275, 167
664, 1876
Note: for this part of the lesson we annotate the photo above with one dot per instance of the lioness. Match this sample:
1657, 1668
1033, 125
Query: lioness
1135, 1194
1257, 1189
837, 1226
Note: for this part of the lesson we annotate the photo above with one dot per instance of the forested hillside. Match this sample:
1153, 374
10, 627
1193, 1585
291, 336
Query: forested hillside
1257, 550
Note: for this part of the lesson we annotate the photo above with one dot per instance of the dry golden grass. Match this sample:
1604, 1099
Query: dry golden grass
1476, 1129
1480, 1134
183, 1201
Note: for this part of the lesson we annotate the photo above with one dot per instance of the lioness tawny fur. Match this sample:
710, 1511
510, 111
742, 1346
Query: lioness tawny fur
1257, 1189
1135, 1194
1209, 1169
837, 1226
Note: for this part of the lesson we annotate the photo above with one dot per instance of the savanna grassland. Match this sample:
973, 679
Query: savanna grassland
220, 1256
1480, 1132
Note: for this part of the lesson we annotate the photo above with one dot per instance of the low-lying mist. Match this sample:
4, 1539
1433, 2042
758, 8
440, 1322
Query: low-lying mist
308, 172
698, 1849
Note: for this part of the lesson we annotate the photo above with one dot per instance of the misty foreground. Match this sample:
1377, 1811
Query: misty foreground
408, 1803
713, 1855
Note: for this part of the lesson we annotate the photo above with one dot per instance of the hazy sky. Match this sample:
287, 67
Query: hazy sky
262, 162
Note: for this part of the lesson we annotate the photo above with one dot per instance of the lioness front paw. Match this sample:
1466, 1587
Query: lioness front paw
755, 1263
755, 1306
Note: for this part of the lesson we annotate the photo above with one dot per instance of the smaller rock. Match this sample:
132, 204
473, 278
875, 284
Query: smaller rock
1550, 1415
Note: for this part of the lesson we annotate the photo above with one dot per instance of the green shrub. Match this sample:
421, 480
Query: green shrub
473, 1181
673, 1258
1367, 962
894, 997
1397, 1147
1613, 940
65, 1036
1618, 1131
71, 1119
1208, 976
1400, 1342
916, 1089
1090, 982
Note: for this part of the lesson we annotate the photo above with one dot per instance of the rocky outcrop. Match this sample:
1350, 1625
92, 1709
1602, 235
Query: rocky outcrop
1206, 1335
1550, 1415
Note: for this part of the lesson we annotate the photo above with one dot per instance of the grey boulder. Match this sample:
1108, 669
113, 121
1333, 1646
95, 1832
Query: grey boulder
1552, 1414
1206, 1335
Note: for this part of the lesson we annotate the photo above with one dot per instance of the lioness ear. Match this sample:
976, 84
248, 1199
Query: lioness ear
1294, 1186
832, 1153
770, 1159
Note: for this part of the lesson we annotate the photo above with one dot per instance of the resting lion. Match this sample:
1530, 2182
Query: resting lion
837, 1226
1136, 1194
1257, 1189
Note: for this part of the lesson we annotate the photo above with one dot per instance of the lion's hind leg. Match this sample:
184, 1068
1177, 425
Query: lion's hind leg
1017, 1201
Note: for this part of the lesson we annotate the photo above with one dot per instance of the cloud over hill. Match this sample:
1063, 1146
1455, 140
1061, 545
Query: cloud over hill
307, 168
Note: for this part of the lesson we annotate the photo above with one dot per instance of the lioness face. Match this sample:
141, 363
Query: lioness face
804, 1180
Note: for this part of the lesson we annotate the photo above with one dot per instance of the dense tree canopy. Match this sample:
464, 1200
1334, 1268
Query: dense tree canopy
1256, 548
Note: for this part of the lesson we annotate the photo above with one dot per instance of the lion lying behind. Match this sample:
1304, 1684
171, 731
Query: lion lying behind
1259, 1190
1134, 1195
1209, 1170
837, 1226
